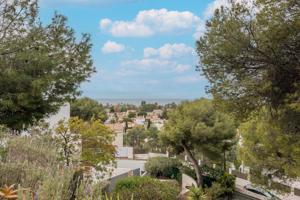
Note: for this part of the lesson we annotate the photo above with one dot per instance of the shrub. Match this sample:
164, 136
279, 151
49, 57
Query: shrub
55, 186
210, 175
28, 160
214, 191
146, 188
216, 182
188, 171
196, 193
227, 182
161, 167
27, 175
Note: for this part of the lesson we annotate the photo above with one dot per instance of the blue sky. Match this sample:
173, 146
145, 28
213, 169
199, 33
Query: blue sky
141, 48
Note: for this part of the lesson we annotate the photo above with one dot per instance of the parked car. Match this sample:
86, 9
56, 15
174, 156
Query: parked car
261, 191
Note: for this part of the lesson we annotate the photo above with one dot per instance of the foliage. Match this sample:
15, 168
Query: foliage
38, 150
94, 138
97, 148
196, 193
68, 138
146, 188
153, 143
87, 108
162, 167
148, 107
25, 174
33, 163
56, 185
3, 140
222, 185
135, 137
92, 191
267, 148
131, 114
214, 191
227, 182
41, 67
250, 55
144, 140
28, 160
188, 171
197, 126
216, 183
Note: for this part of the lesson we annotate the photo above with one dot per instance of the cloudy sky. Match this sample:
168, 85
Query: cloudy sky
141, 48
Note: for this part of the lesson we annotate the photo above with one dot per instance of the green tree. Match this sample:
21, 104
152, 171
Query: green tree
68, 138
153, 142
86, 142
197, 127
41, 67
163, 167
87, 108
135, 137
266, 148
251, 58
126, 120
97, 148
148, 107
131, 115
251, 55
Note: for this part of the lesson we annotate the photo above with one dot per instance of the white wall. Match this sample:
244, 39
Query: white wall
149, 155
124, 152
62, 114
118, 141
131, 164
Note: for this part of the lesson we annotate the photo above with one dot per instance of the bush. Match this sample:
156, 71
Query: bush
161, 167
55, 186
28, 160
188, 171
210, 175
196, 193
216, 182
214, 191
27, 175
146, 188
227, 182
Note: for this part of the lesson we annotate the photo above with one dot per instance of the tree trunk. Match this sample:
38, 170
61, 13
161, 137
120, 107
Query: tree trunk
195, 164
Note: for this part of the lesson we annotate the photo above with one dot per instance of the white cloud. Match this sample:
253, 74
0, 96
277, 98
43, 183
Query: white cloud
182, 68
168, 51
226, 3
145, 65
112, 47
151, 22
148, 64
130, 29
213, 6
105, 23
